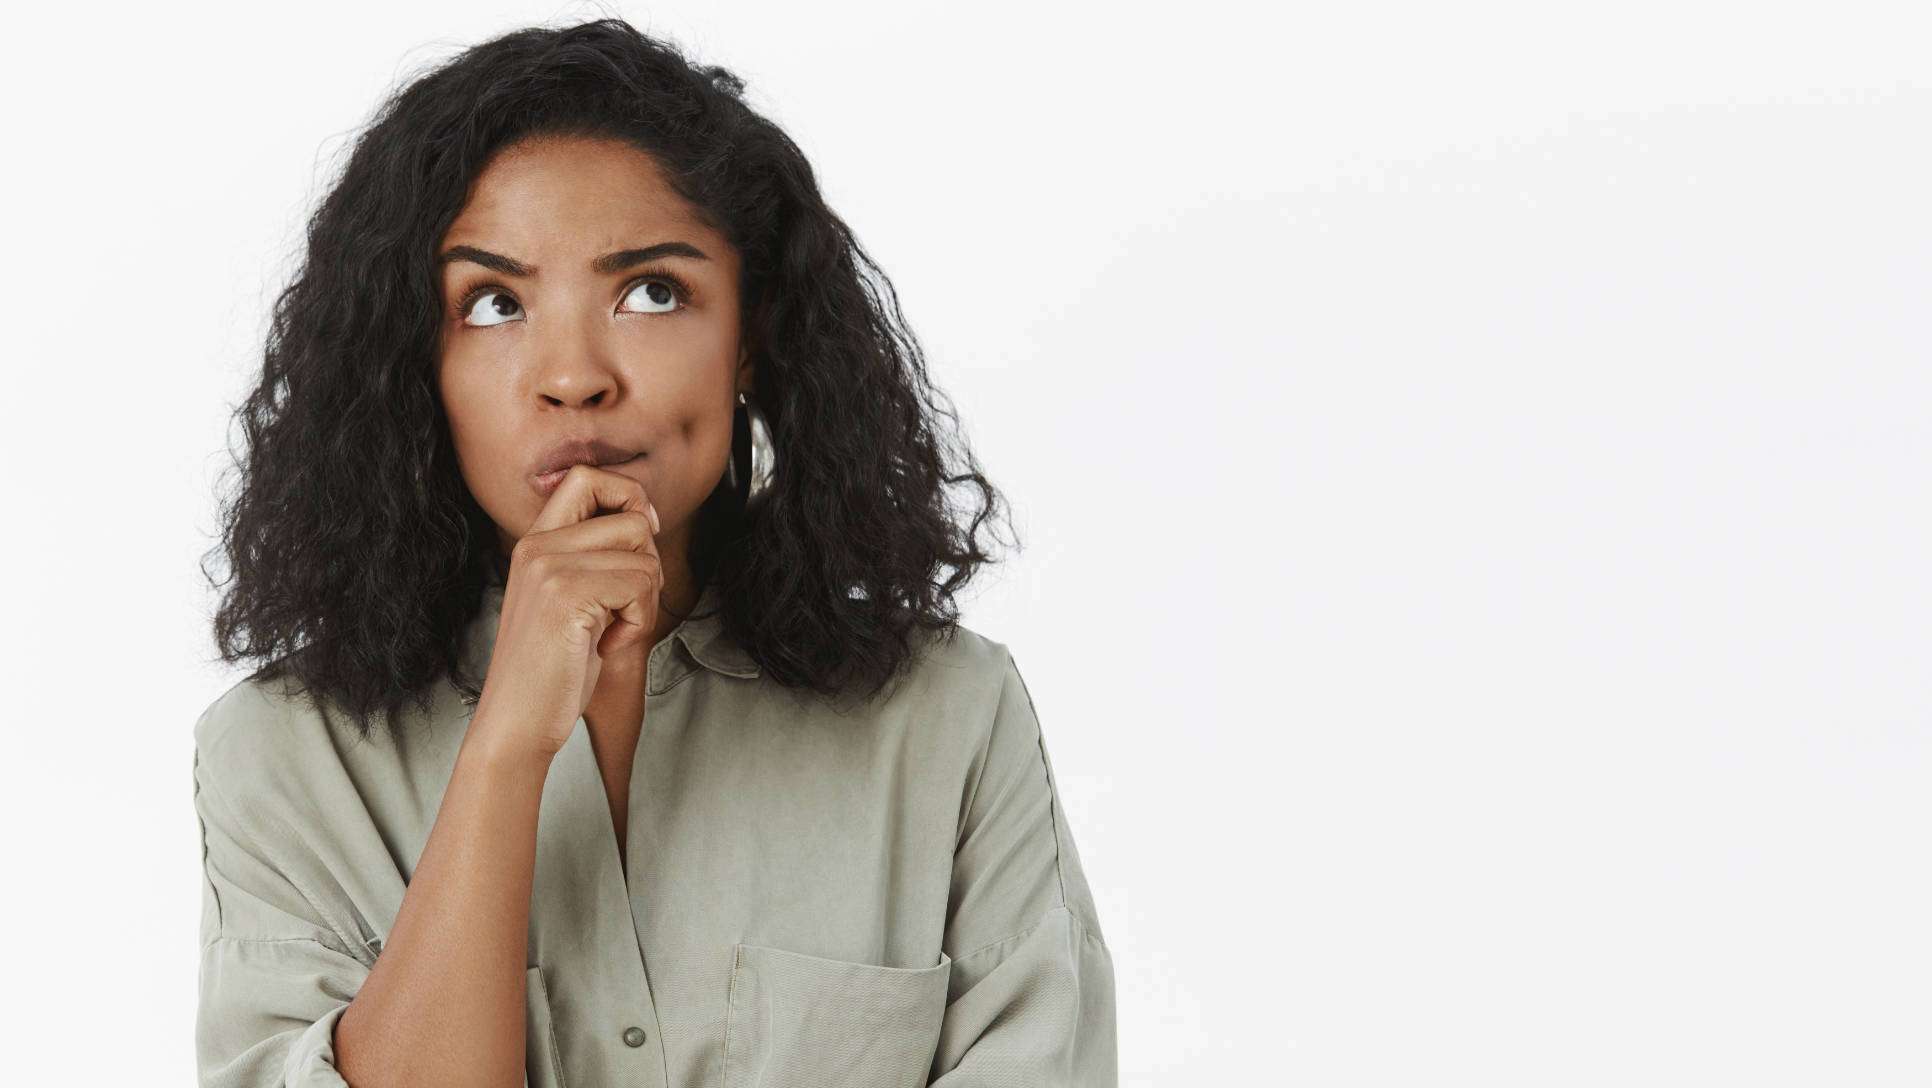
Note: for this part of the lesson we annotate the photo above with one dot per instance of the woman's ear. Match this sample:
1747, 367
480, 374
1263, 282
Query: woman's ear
747, 374
751, 340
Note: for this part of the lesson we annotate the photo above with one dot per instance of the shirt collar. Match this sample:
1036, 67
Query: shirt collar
697, 641
704, 638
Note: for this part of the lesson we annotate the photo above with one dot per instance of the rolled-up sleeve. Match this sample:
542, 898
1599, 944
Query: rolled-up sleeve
273, 979
1031, 993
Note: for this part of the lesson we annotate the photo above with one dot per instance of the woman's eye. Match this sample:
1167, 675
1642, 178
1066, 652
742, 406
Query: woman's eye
653, 297
494, 307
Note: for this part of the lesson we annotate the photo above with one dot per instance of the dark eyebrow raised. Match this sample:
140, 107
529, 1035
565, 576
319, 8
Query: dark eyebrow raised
608, 263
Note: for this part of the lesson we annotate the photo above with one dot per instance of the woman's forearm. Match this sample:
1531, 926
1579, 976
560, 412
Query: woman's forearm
444, 1003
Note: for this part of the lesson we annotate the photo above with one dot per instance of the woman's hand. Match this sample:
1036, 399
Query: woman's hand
581, 585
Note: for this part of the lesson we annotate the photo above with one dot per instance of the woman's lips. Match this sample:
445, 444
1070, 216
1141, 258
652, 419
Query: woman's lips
547, 482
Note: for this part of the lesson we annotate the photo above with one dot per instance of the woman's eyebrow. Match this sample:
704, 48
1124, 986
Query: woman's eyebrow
609, 262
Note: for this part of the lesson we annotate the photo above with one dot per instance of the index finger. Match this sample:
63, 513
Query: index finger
587, 490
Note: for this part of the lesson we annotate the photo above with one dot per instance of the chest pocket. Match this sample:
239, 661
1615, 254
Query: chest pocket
542, 1067
805, 1021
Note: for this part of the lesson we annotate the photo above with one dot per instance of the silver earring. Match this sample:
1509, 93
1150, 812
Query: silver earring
751, 441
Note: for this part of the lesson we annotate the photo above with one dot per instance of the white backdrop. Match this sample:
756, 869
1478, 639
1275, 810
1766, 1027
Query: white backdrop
1473, 461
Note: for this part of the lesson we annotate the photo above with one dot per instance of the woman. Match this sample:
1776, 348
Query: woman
616, 725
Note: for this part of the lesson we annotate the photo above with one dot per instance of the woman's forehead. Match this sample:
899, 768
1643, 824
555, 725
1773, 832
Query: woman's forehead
565, 194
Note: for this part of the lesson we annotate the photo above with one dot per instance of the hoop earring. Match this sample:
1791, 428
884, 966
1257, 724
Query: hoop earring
751, 443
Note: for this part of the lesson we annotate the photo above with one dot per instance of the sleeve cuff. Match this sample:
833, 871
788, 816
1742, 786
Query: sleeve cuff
311, 1060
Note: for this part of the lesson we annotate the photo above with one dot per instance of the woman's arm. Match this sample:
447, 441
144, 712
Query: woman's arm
1031, 994
444, 1003
289, 997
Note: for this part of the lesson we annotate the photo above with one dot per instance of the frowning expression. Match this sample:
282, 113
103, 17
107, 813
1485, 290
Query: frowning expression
583, 300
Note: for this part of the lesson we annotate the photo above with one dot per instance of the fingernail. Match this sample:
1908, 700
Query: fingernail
656, 526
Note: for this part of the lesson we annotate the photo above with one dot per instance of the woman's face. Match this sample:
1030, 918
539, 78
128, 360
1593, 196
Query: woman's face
554, 328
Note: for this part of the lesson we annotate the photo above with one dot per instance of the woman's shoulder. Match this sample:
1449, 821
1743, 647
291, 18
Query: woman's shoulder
965, 652
262, 737
251, 711
961, 671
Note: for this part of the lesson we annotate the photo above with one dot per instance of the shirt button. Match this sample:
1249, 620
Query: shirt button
634, 1036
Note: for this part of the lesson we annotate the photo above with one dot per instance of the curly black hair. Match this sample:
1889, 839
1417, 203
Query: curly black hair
359, 556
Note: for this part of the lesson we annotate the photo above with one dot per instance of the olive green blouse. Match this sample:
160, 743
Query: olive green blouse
875, 895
